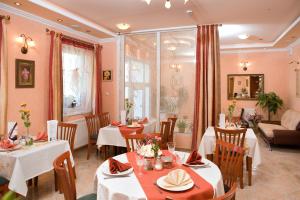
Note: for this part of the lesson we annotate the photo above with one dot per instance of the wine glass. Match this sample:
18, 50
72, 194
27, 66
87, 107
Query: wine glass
139, 162
171, 147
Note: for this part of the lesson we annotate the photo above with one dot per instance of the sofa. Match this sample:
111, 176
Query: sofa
284, 132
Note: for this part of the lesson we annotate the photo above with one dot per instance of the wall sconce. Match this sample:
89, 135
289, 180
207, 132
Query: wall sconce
26, 41
244, 65
177, 67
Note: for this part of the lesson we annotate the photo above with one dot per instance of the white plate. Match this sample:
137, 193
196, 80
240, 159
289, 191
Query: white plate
160, 182
11, 149
134, 126
106, 171
203, 165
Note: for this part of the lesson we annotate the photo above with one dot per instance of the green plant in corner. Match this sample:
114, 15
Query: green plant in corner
182, 125
270, 101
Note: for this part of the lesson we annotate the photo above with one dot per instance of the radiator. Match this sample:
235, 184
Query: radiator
81, 136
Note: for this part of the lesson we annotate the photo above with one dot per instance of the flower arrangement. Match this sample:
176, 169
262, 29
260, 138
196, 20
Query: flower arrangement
128, 107
25, 116
231, 109
150, 147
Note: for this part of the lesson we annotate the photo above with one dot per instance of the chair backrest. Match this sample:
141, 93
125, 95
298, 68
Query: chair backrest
65, 174
132, 140
229, 158
104, 119
67, 131
230, 195
233, 136
173, 122
93, 125
165, 129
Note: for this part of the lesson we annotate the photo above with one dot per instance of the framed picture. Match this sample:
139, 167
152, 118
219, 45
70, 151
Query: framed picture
107, 75
24, 73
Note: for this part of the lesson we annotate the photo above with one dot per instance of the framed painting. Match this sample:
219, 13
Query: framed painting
24, 73
107, 75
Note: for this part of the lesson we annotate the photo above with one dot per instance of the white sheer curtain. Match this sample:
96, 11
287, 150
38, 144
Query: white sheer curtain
77, 79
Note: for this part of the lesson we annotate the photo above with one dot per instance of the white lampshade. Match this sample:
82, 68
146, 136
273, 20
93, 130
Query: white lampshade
20, 39
31, 43
148, 2
168, 4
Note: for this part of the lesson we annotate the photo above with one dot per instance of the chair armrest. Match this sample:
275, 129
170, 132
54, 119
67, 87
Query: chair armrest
286, 137
271, 122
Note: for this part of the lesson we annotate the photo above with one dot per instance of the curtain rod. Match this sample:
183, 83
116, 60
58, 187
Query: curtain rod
165, 29
74, 39
6, 17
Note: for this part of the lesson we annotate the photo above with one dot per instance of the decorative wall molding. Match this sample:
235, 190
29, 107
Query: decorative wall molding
50, 23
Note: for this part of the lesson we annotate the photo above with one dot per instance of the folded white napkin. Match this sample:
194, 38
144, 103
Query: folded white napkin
177, 178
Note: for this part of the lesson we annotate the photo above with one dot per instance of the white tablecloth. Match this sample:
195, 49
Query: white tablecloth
30, 161
208, 144
111, 135
129, 188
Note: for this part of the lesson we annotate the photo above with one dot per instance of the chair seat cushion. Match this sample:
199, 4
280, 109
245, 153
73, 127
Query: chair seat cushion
92, 196
269, 128
3, 181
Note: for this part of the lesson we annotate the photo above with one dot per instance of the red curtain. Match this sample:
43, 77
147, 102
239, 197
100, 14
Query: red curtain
98, 71
207, 82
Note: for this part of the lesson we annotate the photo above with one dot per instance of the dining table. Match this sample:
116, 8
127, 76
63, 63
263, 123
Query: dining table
208, 144
29, 161
111, 135
132, 186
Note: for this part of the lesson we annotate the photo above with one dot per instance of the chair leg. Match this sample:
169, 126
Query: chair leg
249, 169
88, 151
242, 178
36, 181
74, 171
55, 182
29, 182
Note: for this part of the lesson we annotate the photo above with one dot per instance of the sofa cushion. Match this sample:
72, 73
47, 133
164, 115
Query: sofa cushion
268, 128
290, 119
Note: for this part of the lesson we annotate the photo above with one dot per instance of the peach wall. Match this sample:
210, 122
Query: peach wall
109, 88
37, 97
294, 102
272, 64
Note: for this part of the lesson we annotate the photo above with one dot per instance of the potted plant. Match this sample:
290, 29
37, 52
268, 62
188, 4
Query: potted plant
270, 101
181, 125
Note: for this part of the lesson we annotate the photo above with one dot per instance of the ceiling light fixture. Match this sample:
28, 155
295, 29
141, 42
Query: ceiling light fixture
123, 26
171, 48
243, 36
148, 2
168, 4
17, 3
60, 20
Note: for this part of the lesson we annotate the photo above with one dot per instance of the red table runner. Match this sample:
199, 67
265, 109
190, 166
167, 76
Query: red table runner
126, 130
147, 180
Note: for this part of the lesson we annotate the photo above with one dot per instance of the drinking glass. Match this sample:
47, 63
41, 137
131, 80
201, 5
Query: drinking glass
171, 147
140, 163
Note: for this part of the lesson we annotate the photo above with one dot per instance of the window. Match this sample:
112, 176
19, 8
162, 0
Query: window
77, 64
137, 87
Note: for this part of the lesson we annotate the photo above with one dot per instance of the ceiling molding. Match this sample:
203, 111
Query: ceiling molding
246, 46
107, 40
236, 51
46, 22
66, 13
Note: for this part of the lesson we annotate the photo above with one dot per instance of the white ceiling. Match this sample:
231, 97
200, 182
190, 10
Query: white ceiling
263, 20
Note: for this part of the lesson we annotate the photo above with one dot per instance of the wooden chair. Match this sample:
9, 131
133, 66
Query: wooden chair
93, 126
237, 137
230, 195
165, 129
132, 140
104, 119
229, 158
67, 131
63, 168
173, 122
